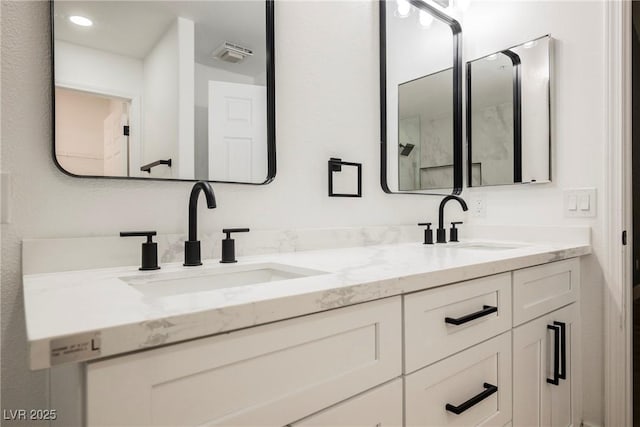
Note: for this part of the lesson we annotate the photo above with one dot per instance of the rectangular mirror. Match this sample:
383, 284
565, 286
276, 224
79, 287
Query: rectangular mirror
421, 98
508, 116
179, 90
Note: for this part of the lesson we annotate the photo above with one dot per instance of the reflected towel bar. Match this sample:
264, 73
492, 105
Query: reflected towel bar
147, 167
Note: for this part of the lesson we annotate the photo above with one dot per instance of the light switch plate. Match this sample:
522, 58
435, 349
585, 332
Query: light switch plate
580, 203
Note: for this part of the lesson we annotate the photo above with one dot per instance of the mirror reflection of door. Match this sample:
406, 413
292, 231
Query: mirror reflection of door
238, 132
93, 133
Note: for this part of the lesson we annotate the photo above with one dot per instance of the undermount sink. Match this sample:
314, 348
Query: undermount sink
206, 279
487, 246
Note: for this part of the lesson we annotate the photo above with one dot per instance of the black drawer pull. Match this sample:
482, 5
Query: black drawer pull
486, 310
489, 390
556, 354
562, 372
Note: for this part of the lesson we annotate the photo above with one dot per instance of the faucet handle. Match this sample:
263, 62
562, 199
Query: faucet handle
228, 231
453, 232
229, 245
146, 234
428, 233
149, 248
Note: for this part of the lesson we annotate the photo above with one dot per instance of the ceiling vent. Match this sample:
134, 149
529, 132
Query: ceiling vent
231, 52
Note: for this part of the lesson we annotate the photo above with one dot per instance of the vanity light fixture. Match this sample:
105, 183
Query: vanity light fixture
425, 19
530, 44
404, 8
462, 5
81, 20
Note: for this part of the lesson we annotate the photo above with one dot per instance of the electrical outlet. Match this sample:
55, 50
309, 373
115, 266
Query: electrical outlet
478, 206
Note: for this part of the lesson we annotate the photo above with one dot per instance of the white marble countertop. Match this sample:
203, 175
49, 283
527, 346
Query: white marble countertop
65, 308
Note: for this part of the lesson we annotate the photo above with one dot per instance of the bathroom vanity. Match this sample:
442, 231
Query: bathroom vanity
472, 333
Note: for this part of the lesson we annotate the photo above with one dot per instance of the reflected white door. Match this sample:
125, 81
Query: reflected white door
115, 141
237, 132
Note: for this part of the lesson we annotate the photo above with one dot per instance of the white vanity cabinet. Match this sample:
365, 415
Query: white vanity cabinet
270, 375
380, 407
480, 352
473, 353
546, 352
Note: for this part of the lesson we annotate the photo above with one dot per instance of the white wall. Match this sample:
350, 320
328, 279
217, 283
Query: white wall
168, 102
327, 106
97, 71
186, 98
578, 120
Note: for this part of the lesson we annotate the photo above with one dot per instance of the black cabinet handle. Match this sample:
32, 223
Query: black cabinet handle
486, 310
489, 390
562, 372
556, 354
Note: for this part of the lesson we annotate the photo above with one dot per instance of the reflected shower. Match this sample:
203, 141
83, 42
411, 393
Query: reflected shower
406, 149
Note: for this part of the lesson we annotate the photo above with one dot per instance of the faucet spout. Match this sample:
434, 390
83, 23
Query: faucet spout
192, 255
200, 186
441, 232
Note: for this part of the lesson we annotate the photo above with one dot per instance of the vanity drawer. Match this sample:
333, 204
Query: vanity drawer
428, 335
380, 407
544, 288
269, 375
482, 373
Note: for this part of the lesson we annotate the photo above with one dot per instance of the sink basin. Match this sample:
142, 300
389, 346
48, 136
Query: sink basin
207, 279
488, 246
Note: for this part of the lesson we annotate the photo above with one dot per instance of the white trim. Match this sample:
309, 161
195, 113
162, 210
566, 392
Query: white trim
617, 217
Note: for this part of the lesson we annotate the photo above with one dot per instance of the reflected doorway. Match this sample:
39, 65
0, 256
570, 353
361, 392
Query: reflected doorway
92, 131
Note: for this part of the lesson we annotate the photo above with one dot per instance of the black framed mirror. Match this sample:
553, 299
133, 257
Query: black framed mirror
420, 99
164, 90
508, 116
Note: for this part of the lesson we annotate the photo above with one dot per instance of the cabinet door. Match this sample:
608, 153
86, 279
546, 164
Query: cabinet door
269, 375
537, 401
380, 407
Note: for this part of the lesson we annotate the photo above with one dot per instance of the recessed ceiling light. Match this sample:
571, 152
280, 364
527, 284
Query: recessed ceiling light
81, 20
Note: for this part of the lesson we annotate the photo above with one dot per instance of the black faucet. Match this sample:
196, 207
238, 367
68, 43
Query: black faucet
441, 233
192, 246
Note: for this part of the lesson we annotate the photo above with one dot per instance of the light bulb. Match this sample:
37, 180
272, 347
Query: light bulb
463, 5
425, 19
492, 57
404, 8
529, 45
81, 21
